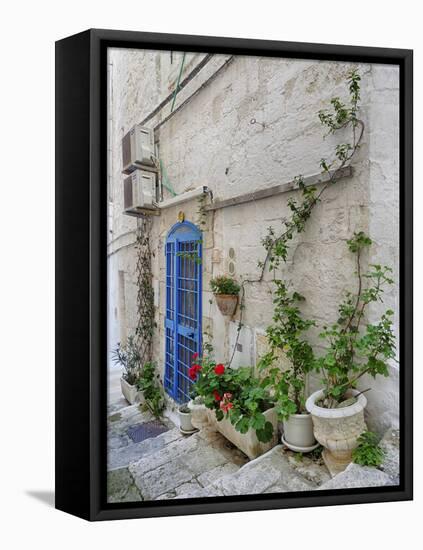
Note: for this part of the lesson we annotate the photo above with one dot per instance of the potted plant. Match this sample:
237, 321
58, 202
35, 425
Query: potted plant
185, 424
240, 408
289, 386
354, 348
128, 357
149, 386
225, 290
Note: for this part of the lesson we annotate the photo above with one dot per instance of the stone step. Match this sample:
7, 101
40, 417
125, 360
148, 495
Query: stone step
185, 466
277, 471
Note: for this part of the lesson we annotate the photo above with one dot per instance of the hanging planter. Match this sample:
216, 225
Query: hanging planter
225, 290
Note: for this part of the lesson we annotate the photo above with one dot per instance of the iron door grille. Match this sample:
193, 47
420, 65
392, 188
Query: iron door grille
183, 310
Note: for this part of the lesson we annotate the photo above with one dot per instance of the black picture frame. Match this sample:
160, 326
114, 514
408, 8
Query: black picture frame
81, 286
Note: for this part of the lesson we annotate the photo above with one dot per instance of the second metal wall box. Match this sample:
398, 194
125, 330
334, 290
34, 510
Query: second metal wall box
139, 193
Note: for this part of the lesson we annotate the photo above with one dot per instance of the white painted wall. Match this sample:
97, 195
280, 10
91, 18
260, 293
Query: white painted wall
212, 142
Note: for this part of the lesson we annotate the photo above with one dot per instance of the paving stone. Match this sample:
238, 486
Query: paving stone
133, 452
160, 451
313, 470
163, 479
183, 491
265, 472
356, 476
213, 475
202, 459
390, 444
121, 487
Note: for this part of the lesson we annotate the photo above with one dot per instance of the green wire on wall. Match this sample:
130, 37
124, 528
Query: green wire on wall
165, 180
178, 82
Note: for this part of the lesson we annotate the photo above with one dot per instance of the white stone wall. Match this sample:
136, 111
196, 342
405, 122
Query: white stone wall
212, 142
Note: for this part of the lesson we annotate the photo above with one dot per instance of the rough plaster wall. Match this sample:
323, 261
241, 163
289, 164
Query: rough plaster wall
212, 142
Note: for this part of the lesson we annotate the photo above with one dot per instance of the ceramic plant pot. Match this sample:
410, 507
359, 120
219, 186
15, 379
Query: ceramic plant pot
298, 433
337, 429
248, 442
199, 415
185, 423
227, 303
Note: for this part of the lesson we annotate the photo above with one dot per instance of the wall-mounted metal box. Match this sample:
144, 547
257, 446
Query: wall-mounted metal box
139, 193
138, 149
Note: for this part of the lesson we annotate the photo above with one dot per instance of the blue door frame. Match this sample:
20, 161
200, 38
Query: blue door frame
183, 307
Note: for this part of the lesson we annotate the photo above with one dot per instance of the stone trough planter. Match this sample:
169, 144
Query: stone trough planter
337, 429
248, 442
130, 392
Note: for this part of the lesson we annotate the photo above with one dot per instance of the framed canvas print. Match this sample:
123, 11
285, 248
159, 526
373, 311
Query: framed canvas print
234, 274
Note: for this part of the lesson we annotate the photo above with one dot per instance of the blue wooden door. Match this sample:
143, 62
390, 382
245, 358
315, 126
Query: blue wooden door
183, 307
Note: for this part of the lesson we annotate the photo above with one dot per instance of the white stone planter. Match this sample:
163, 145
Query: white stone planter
130, 393
298, 433
199, 415
337, 429
185, 423
247, 443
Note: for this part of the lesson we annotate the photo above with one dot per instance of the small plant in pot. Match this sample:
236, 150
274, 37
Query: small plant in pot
128, 357
354, 348
226, 291
185, 424
288, 386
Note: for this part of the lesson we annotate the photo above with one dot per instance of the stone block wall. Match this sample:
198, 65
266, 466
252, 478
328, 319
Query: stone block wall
212, 141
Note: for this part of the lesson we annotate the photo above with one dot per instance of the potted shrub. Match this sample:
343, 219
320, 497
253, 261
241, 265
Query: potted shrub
289, 386
225, 290
185, 424
354, 348
128, 357
240, 408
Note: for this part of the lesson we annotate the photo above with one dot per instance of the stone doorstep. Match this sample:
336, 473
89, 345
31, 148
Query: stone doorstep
136, 452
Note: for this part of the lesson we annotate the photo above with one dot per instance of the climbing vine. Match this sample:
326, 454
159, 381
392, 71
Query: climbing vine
145, 295
340, 116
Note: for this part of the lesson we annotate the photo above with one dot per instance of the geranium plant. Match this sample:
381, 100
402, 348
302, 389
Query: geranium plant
235, 394
356, 348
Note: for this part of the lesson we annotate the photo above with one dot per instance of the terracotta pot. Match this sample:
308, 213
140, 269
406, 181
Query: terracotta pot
227, 303
248, 442
298, 432
337, 429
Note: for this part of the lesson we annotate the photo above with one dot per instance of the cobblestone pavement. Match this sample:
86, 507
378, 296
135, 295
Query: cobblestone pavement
205, 464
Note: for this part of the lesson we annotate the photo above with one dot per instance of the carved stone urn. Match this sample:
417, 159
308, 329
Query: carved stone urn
337, 429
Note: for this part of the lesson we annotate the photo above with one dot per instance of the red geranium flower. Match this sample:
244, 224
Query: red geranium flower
194, 355
226, 406
216, 395
219, 369
193, 371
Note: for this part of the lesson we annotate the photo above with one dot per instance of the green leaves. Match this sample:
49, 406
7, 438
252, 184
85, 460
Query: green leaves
354, 348
368, 452
265, 435
224, 285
